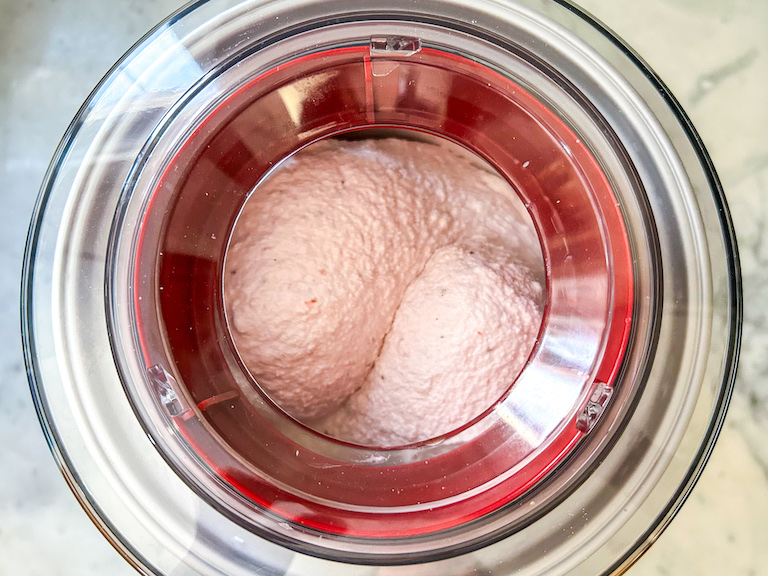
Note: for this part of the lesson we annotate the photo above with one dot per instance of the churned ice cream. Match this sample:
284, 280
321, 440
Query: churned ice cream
384, 291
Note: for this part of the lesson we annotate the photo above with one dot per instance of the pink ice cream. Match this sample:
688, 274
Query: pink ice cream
384, 291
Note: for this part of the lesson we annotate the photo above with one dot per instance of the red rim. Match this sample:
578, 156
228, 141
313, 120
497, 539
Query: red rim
179, 264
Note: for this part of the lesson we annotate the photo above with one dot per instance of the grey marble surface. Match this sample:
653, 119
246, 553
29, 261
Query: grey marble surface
713, 54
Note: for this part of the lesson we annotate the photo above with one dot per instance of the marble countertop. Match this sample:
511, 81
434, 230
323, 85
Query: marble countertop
713, 54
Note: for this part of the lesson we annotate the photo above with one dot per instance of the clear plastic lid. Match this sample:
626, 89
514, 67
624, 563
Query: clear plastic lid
170, 442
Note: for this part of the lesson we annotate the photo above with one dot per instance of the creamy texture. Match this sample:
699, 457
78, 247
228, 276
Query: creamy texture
384, 291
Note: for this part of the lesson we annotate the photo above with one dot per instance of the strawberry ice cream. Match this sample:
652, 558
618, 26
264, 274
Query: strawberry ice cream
384, 291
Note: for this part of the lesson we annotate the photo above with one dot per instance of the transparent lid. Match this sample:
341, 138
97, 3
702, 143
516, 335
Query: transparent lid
180, 456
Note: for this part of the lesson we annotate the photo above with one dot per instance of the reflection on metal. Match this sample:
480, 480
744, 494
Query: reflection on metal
308, 89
